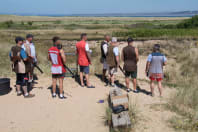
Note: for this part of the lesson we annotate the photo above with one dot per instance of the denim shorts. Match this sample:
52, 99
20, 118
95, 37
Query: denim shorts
84, 69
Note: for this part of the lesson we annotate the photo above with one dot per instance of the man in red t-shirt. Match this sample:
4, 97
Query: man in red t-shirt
84, 59
57, 57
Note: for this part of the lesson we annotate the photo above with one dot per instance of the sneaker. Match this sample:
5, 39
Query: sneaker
53, 96
106, 84
29, 96
19, 94
113, 85
90, 87
135, 91
30, 81
128, 90
63, 97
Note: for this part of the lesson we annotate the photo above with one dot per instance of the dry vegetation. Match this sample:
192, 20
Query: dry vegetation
181, 73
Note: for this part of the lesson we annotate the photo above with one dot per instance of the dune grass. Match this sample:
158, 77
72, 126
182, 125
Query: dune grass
133, 114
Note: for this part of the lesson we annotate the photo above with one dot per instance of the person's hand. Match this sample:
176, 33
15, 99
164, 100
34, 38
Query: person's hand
16, 58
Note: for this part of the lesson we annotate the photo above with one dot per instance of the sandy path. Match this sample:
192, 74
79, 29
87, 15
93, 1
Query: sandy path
80, 112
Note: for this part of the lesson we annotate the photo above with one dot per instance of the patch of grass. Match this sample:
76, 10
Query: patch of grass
185, 101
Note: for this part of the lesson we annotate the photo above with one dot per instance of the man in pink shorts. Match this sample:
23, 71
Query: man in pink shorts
154, 68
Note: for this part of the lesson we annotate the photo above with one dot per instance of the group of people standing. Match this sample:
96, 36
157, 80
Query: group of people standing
110, 58
23, 57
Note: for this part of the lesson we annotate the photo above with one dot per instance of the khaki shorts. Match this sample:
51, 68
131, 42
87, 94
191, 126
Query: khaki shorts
105, 65
113, 70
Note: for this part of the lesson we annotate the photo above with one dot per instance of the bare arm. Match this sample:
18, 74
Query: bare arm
63, 55
122, 56
88, 56
147, 66
137, 54
117, 60
48, 57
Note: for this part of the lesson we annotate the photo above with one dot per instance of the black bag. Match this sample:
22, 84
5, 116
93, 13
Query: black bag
118, 109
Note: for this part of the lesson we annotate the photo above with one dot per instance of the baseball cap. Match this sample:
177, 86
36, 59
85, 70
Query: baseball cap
129, 40
114, 39
156, 47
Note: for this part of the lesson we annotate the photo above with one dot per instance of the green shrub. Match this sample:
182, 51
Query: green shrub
57, 22
190, 23
30, 23
9, 23
22, 23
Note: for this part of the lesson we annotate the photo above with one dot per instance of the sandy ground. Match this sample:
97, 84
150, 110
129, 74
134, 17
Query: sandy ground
80, 112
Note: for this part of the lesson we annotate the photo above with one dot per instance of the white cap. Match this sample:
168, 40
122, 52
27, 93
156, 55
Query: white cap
114, 39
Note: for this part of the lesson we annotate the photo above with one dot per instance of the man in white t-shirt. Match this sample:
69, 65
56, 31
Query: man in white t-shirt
29, 47
104, 49
113, 60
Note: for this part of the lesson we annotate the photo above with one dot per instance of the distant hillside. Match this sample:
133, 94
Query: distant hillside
159, 14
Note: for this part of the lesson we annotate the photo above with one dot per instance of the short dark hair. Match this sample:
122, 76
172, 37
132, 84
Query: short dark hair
82, 35
29, 36
129, 40
54, 39
17, 39
156, 47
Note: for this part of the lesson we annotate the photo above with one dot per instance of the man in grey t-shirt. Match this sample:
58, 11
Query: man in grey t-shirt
154, 68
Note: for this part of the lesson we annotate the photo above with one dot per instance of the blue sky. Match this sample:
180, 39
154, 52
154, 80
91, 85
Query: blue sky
94, 6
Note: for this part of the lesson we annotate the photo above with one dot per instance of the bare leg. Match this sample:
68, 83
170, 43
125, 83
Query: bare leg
25, 90
160, 87
18, 87
61, 85
29, 76
81, 78
152, 87
127, 82
109, 78
54, 80
134, 83
87, 79
112, 79
104, 75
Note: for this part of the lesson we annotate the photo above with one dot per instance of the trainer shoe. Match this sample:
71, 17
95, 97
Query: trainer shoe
135, 91
19, 93
29, 96
128, 90
53, 96
90, 87
63, 97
